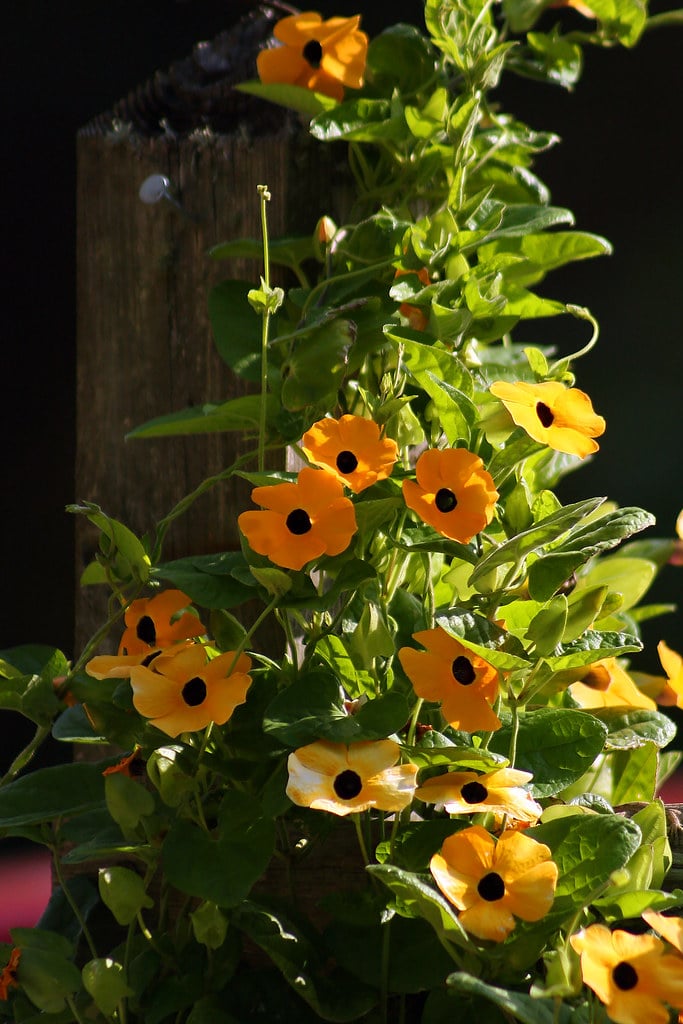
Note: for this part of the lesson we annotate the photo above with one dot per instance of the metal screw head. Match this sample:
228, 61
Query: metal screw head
154, 188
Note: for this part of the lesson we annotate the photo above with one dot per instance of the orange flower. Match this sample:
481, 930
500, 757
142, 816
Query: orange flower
185, 692
351, 448
157, 622
671, 692
345, 779
448, 672
493, 882
131, 765
301, 521
324, 56
415, 315
115, 666
606, 685
8, 978
560, 417
632, 975
453, 493
499, 791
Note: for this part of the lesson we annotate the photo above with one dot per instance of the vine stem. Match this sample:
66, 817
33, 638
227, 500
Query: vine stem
25, 755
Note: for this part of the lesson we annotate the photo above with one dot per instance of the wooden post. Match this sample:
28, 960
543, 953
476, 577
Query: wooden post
145, 346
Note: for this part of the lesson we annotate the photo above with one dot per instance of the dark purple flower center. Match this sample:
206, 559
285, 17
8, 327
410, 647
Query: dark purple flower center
347, 462
473, 793
347, 784
150, 658
298, 521
146, 630
194, 692
545, 414
624, 976
313, 53
491, 887
445, 500
462, 670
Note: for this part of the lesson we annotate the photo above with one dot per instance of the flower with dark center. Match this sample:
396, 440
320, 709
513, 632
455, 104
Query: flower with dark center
447, 672
560, 417
345, 779
300, 521
635, 976
605, 684
352, 448
493, 882
324, 56
500, 791
158, 622
452, 492
184, 692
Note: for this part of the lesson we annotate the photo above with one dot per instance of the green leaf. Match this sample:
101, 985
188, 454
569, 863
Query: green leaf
593, 646
295, 97
557, 745
362, 120
208, 579
417, 961
332, 994
223, 868
47, 978
516, 1005
120, 546
540, 253
316, 366
286, 252
629, 728
587, 849
49, 793
549, 529
240, 414
209, 925
418, 898
630, 578
127, 801
105, 980
236, 329
623, 19
312, 708
123, 892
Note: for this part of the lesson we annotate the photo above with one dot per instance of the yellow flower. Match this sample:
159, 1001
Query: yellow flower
670, 928
560, 417
493, 882
578, 5
671, 693
118, 666
8, 977
324, 56
351, 448
185, 692
301, 521
632, 975
453, 493
158, 622
499, 791
606, 685
464, 684
345, 779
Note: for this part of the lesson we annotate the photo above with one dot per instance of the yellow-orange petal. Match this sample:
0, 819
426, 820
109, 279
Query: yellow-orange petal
560, 417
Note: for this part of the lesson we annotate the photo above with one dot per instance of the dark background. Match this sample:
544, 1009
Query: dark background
618, 169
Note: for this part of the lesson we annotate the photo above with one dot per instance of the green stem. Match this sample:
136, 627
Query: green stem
74, 1010
26, 755
244, 642
384, 975
664, 19
512, 753
265, 325
581, 313
72, 903
361, 838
